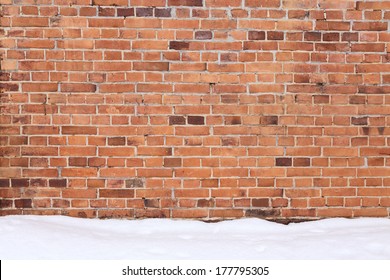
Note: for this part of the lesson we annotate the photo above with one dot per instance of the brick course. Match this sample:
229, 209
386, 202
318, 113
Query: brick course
204, 109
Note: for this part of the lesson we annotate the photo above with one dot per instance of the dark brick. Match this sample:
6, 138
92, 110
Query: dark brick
203, 35
359, 120
23, 203
205, 203
260, 202
58, 183
128, 12
106, 12
283, 162
312, 36
256, 35
331, 36
196, 120
152, 203
162, 12
20, 183
135, 183
5, 203
232, 120
174, 120
77, 161
117, 141
275, 35
179, 45
350, 36
197, 3
4, 76
4, 183
144, 12
269, 120
301, 161
260, 213
172, 162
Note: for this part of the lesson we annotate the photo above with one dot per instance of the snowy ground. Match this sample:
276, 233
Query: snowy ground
57, 237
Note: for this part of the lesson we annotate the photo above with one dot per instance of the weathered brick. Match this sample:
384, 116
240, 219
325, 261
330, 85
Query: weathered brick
359, 120
259, 213
256, 35
203, 109
203, 35
144, 12
275, 35
269, 120
134, 183
162, 12
177, 120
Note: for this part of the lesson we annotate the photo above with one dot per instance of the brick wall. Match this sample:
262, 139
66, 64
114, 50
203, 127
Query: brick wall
208, 109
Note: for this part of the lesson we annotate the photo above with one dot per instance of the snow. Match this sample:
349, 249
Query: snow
63, 238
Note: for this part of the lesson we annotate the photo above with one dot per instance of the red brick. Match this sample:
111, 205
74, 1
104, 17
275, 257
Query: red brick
36, 44
256, 35
125, 12
197, 3
30, 22
151, 66
152, 110
78, 87
110, 2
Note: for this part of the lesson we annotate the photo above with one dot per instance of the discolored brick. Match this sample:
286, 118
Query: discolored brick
195, 120
283, 162
177, 120
134, 183
179, 45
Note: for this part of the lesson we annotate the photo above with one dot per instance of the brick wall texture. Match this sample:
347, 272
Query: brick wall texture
207, 109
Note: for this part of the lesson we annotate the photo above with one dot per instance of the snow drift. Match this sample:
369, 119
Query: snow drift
58, 237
